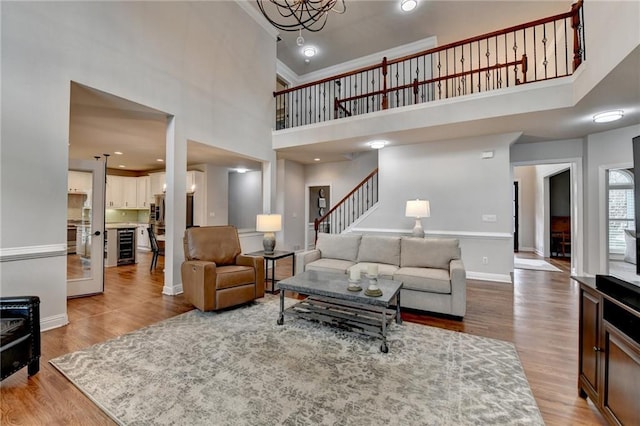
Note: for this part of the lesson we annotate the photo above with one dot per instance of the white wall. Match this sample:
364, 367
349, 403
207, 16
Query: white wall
291, 204
217, 206
461, 187
207, 64
245, 199
606, 150
342, 176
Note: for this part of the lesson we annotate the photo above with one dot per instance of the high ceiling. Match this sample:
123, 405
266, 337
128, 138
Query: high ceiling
102, 123
369, 26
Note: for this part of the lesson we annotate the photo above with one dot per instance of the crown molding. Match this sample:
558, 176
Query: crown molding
256, 16
374, 58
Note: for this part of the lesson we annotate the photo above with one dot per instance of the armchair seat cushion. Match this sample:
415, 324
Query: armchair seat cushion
234, 275
424, 279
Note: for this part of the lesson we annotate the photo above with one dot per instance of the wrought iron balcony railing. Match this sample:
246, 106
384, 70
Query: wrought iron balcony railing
539, 50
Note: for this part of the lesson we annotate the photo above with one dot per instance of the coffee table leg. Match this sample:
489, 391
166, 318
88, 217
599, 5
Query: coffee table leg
383, 347
281, 316
398, 317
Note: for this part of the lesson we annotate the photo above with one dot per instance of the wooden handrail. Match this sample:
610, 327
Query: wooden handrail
317, 221
573, 13
522, 62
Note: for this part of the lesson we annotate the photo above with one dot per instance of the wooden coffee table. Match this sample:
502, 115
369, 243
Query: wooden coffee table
328, 301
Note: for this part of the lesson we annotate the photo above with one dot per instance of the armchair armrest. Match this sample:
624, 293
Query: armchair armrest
195, 276
458, 287
256, 262
305, 257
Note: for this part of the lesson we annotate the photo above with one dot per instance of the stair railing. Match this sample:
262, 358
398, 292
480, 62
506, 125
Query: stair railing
539, 50
350, 208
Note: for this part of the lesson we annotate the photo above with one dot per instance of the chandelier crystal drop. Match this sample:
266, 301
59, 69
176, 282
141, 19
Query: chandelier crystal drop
294, 15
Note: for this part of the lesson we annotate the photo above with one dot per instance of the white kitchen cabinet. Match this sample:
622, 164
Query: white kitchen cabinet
122, 192
143, 238
142, 184
79, 182
129, 193
156, 181
114, 192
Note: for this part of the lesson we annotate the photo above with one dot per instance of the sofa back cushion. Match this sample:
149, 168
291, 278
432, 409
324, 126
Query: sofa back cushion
428, 252
339, 246
219, 244
379, 249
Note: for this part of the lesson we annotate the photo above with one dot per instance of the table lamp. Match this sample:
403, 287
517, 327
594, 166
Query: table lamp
418, 209
269, 223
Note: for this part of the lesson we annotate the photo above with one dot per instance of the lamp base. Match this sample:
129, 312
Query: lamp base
269, 242
417, 230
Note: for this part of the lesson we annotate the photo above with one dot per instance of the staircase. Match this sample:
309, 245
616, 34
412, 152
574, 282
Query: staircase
350, 208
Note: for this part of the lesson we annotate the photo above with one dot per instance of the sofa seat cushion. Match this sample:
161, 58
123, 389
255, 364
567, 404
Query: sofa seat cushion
329, 265
379, 249
424, 279
234, 275
384, 271
428, 252
339, 246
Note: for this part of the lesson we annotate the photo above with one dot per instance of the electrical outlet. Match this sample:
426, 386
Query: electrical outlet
485, 260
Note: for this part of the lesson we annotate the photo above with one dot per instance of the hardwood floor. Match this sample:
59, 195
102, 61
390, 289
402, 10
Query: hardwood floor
539, 314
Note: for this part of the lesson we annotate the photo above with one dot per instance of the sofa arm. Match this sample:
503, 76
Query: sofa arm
198, 283
458, 287
256, 262
305, 257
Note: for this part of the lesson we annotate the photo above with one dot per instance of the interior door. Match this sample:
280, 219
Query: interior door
85, 267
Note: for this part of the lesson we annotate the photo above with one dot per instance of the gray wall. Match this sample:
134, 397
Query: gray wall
245, 199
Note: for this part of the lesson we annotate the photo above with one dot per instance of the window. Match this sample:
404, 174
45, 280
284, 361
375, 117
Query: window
621, 208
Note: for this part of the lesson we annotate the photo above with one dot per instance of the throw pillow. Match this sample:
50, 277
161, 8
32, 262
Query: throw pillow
428, 252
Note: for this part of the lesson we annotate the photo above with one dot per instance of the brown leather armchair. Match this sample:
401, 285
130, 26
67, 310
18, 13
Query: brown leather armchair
214, 274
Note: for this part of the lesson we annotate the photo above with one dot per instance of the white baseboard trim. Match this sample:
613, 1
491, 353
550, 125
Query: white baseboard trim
484, 276
54, 321
527, 249
172, 290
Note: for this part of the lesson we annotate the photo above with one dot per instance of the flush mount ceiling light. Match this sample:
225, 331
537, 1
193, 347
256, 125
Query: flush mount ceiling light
378, 144
294, 15
607, 116
241, 170
118, 153
159, 160
316, 159
408, 5
309, 51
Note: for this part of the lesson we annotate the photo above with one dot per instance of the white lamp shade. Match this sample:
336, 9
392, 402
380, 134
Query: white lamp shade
268, 223
417, 208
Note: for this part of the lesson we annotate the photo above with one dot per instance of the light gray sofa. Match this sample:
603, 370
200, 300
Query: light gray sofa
432, 273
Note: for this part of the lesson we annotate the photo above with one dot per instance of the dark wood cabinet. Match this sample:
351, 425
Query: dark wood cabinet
609, 354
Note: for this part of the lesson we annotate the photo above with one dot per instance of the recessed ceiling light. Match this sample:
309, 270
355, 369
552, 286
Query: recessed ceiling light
160, 160
605, 117
309, 51
241, 170
377, 144
316, 159
117, 153
122, 166
408, 5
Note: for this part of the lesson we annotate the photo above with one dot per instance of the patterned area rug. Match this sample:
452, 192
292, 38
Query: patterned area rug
240, 368
535, 264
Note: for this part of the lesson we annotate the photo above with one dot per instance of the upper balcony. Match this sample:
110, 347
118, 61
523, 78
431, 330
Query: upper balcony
543, 49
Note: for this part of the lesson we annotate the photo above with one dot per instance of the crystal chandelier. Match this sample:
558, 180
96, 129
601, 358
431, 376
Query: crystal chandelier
294, 15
